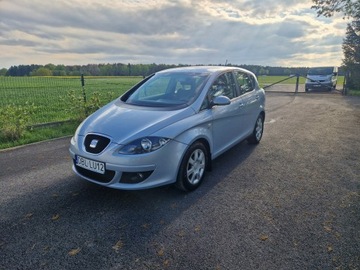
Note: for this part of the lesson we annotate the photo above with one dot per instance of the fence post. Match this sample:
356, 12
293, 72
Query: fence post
346, 77
83, 87
297, 83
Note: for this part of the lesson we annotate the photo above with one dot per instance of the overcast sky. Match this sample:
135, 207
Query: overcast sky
77, 32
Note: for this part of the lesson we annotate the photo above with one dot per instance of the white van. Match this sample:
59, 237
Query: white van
321, 78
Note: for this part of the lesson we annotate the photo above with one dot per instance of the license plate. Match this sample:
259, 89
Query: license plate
90, 165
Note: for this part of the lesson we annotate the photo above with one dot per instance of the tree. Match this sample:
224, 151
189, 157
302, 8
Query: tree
351, 49
351, 43
42, 72
3, 71
327, 8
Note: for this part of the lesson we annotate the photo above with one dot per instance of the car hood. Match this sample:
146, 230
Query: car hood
123, 123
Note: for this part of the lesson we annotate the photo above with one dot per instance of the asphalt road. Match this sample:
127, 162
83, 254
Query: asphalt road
292, 202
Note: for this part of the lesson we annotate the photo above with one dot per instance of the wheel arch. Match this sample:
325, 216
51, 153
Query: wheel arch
262, 113
204, 141
207, 146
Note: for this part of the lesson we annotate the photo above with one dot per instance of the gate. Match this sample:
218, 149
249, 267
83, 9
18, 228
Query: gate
297, 87
282, 87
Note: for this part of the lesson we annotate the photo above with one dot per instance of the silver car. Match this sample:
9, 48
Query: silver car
169, 127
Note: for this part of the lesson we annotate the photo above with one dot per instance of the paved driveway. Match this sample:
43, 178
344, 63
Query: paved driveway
292, 202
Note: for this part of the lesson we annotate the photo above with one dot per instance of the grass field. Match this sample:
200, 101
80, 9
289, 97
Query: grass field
50, 95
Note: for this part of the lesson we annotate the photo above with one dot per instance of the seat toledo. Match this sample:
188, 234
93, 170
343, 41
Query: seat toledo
169, 127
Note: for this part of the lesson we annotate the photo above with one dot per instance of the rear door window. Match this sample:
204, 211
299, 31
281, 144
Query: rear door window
245, 82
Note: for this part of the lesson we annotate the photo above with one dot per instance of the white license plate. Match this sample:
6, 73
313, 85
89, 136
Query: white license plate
90, 165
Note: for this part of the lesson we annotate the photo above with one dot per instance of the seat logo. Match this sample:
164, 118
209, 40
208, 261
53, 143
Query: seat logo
94, 143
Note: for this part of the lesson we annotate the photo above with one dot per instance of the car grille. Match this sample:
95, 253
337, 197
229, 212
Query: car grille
95, 143
103, 178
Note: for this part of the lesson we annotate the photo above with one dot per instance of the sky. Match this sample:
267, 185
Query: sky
254, 32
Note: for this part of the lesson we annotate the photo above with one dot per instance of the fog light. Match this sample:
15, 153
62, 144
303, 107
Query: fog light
134, 177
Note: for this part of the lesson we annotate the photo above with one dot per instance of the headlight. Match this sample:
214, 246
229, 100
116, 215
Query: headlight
144, 145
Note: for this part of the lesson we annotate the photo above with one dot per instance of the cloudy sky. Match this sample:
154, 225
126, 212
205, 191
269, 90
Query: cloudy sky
262, 32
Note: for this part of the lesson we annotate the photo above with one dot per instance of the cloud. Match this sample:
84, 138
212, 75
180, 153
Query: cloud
261, 32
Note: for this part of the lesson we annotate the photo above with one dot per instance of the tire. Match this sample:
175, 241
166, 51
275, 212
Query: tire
256, 136
192, 167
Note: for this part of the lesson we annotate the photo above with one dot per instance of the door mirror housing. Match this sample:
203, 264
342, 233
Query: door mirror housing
220, 101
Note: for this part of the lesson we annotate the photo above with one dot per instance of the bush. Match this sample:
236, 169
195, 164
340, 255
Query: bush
80, 107
14, 120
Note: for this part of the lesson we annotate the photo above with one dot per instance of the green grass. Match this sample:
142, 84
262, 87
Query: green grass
41, 134
354, 93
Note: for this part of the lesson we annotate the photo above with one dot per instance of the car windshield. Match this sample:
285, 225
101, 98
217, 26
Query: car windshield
169, 89
320, 71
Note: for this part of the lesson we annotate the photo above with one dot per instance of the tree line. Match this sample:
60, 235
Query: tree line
120, 69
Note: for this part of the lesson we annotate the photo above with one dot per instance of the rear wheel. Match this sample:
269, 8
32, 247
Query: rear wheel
256, 136
192, 168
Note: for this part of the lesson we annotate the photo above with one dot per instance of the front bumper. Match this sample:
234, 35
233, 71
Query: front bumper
318, 85
131, 172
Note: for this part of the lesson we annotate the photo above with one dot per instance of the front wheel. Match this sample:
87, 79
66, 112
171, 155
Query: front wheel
256, 136
192, 168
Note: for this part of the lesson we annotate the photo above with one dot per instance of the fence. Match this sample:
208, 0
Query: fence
56, 99
289, 84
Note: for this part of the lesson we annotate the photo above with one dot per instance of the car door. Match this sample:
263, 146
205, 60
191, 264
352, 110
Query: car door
250, 99
227, 119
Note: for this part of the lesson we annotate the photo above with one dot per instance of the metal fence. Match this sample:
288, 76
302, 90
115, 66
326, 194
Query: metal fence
56, 99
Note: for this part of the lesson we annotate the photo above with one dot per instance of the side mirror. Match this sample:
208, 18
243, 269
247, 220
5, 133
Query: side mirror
220, 101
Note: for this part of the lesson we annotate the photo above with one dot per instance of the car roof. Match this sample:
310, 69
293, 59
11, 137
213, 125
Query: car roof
201, 69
